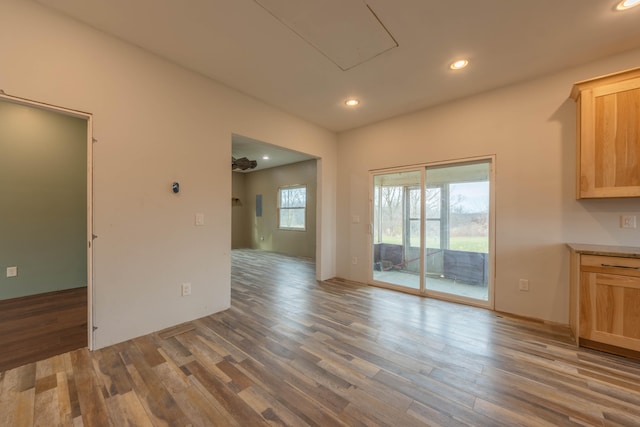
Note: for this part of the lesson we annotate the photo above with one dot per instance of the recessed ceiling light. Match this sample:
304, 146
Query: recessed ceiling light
627, 4
265, 157
352, 102
460, 64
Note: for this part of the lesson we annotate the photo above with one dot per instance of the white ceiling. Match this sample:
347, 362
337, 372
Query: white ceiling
252, 149
242, 44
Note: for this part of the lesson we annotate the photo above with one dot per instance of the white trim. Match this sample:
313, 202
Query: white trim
89, 118
90, 288
44, 106
292, 186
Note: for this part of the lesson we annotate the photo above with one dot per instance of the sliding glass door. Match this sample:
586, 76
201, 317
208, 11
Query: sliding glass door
396, 228
457, 233
432, 229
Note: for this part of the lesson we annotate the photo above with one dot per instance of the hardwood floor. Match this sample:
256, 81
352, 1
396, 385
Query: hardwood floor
292, 351
39, 326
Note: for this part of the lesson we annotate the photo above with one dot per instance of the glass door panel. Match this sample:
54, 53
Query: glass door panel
396, 228
457, 199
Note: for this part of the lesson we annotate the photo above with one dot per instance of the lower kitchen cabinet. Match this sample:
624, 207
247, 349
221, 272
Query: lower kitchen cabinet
605, 300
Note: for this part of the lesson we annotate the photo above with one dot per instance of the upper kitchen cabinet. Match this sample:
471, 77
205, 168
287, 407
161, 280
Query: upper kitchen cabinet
608, 135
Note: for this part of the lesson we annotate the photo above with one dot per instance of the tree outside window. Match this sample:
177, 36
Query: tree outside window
292, 206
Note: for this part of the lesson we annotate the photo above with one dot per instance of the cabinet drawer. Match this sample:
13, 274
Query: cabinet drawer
611, 265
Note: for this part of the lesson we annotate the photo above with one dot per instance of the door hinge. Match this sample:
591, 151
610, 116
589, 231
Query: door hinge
94, 236
95, 328
94, 140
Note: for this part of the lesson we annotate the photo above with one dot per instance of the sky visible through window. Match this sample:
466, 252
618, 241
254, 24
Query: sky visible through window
472, 197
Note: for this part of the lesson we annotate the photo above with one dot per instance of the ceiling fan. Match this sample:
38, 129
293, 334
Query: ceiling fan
242, 163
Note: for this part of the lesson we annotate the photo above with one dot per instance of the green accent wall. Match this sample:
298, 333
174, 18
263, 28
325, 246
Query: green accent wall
43, 200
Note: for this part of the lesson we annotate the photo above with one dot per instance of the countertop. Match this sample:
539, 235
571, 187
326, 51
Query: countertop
619, 251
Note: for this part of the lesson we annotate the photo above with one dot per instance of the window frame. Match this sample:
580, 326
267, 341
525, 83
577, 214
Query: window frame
280, 208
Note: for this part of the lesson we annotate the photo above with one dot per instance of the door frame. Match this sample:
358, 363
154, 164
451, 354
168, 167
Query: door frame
89, 118
422, 167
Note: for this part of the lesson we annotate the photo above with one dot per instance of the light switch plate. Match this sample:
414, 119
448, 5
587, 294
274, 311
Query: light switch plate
523, 285
627, 221
199, 219
12, 271
185, 289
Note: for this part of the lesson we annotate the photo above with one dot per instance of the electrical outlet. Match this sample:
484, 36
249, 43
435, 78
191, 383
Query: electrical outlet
12, 271
354, 260
199, 220
627, 221
523, 285
185, 289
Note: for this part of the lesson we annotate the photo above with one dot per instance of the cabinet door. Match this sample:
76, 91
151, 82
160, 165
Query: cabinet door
609, 153
610, 309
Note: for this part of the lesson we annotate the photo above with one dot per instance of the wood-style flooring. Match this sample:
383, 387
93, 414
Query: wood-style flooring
292, 351
39, 326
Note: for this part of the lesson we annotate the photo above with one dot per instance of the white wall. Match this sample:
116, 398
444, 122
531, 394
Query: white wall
155, 123
530, 128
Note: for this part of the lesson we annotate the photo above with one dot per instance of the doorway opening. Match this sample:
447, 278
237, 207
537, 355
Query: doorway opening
433, 230
47, 239
275, 203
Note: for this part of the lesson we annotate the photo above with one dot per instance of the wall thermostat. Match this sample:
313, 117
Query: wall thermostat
175, 187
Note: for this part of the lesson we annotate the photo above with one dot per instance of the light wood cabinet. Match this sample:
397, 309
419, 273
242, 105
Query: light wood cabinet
605, 302
610, 301
608, 135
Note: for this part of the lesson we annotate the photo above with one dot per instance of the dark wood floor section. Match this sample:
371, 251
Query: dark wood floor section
39, 326
292, 351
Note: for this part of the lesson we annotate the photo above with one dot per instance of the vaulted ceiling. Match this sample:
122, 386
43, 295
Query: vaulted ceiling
307, 56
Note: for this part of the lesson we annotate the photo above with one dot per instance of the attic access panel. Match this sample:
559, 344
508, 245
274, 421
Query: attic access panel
348, 32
